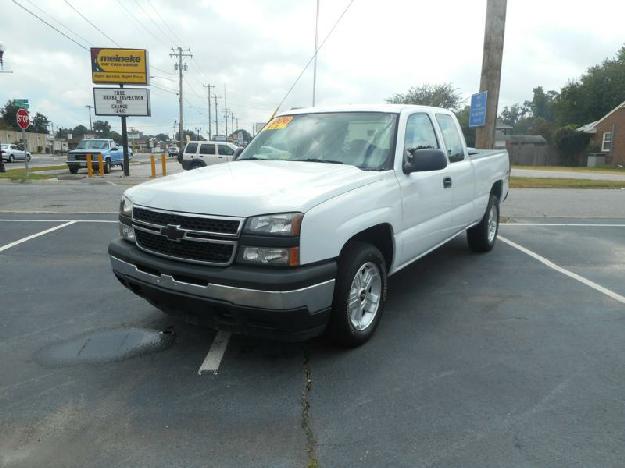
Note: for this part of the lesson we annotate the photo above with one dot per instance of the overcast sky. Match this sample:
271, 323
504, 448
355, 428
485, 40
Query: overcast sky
258, 47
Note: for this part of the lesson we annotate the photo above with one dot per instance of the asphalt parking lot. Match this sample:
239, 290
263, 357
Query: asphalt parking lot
514, 358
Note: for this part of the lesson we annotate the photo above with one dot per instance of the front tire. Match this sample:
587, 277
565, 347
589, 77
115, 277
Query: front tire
359, 295
482, 236
11, 158
73, 169
107, 166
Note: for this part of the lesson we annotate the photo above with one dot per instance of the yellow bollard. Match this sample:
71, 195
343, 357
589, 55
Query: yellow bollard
152, 166
100, 165
164, 164
89, 166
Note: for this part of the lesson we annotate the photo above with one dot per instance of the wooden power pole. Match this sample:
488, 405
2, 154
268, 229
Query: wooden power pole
491, 69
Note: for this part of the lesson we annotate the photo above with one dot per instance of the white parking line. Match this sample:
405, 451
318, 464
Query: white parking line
59, 220
33, 236
562, 224
597, 287
215, 353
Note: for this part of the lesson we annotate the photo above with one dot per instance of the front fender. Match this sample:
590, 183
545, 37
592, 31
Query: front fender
327, 227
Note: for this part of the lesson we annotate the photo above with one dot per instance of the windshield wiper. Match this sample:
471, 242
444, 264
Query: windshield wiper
329, 161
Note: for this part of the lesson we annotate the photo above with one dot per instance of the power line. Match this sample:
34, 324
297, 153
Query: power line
82, 38
139, 22
314, 55
173, 34
163, 89
49, 25
147, 15
88, 21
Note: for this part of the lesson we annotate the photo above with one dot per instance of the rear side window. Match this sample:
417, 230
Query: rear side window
452, 139
225, 150
206, 148
191, 148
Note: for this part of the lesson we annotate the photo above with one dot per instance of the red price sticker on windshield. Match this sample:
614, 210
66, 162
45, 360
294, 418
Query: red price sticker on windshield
279, 122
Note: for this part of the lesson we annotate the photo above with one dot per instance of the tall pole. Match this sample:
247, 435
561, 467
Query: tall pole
216, 117
210, 125
90, 124
491, 69
315, 60
178, 52
226, 110
125, 145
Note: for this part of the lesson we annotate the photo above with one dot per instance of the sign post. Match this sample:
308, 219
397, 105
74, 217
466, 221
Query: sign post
23, 121
121, 67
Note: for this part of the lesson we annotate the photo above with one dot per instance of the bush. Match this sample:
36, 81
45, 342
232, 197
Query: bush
570, 143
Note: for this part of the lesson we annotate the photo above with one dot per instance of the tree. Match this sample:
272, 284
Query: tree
596, 93
463, 119
443, 95
569, 142
192, 135
102, 128
9, 113
40, 124
534, 126
244, 133
162, 137
542, 104
511, 115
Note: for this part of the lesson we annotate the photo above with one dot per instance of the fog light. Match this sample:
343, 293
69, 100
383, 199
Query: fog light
127, 232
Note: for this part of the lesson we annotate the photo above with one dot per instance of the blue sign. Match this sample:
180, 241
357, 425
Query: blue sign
477, 117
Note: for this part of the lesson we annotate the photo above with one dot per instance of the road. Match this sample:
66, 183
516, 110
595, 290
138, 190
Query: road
512, 358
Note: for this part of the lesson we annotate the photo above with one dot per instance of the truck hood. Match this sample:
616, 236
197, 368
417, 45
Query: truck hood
248, 188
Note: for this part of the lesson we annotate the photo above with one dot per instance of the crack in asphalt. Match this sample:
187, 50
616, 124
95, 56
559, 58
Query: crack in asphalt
311, 442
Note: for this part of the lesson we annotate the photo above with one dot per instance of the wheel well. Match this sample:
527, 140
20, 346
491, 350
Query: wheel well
381, 236
497, 189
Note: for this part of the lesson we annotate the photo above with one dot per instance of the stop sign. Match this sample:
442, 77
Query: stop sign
23, 119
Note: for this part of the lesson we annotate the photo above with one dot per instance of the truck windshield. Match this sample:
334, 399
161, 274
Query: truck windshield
92, 144
361, 139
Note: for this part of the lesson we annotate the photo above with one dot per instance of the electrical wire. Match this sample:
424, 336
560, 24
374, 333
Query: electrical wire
313, 56
173, 34
147, 15
92, 24
49, 25
140, 23
82, 38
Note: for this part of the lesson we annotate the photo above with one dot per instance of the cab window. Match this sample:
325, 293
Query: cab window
207, 148
451, 137
191, 148
420, 133
225, 150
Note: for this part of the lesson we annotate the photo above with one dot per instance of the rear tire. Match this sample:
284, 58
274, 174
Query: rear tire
359, 295
73, 170
482, 236
107, 166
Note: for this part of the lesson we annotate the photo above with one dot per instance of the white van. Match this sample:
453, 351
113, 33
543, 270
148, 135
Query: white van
204, 153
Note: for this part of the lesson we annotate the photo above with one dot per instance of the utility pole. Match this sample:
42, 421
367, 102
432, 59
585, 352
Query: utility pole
210, 129
216, 116
237, 119
90, 124
180, 54
491, 69
232, 116
315, 61
226, 114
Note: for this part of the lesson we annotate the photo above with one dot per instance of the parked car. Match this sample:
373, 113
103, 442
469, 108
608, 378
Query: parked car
11, 153
112, 154
204, 153
173, 151
300, 233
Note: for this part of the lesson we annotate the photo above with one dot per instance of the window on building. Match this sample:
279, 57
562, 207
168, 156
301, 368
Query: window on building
606, 145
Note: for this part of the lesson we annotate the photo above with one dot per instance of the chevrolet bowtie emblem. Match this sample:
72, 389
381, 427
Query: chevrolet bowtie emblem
172, 232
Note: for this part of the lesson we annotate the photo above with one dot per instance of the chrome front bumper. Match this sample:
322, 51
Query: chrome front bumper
316, 297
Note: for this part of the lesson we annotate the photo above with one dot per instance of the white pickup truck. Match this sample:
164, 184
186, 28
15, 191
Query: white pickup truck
299, 234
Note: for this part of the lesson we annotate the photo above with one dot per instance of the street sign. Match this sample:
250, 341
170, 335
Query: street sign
119, 66
21, 103
23, 119
122, 101
477, 117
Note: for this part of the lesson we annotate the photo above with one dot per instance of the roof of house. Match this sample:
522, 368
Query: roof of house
592, 127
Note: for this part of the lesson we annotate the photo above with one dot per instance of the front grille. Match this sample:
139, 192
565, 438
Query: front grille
214, 225
80, 157
206, 252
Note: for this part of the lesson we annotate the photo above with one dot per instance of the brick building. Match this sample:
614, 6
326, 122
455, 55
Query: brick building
608, 134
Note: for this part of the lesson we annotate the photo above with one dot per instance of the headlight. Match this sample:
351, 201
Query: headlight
283, 224
270, 255
125, 206
127, 232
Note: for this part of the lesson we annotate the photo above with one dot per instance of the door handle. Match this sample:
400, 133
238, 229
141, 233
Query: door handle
447, 182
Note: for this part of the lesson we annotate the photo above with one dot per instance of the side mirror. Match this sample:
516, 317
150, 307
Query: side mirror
237, 153
424, 160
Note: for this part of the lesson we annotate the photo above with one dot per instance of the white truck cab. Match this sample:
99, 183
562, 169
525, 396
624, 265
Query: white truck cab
204, 153
299, 234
